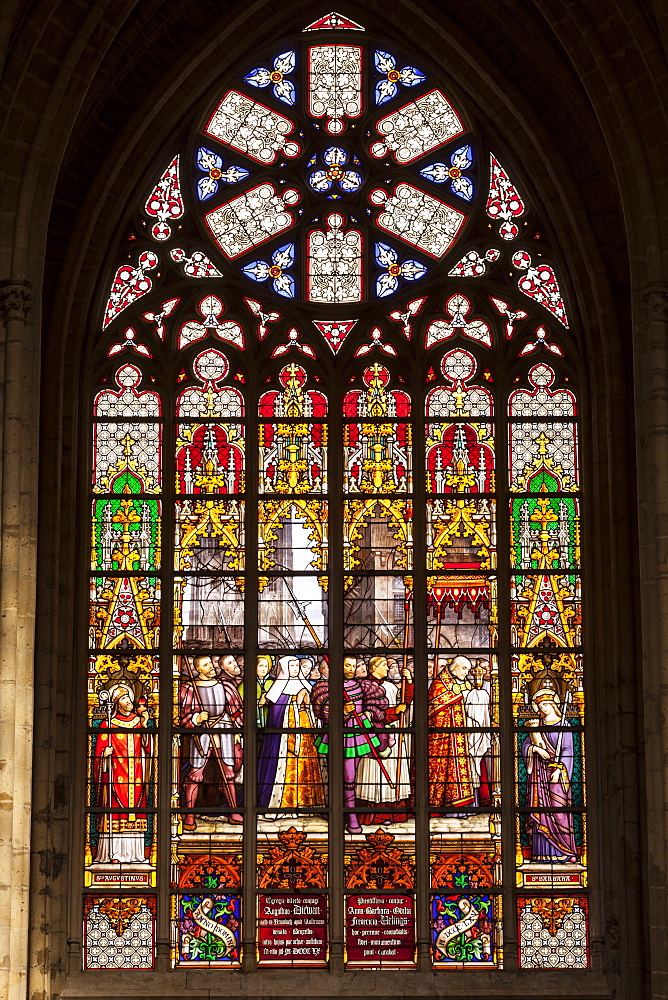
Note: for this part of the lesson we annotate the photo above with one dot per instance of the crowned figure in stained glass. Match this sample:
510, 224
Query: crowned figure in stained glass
548, 751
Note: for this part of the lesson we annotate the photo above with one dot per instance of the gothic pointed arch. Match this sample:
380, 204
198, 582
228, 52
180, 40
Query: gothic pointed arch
336, 576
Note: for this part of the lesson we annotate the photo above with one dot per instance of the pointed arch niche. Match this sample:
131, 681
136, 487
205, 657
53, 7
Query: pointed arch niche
333, 694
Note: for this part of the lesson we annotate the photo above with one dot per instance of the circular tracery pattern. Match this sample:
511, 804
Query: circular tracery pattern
128, 376
458, 366
262, 175
541, 375
211, 366
336, 177
338, 86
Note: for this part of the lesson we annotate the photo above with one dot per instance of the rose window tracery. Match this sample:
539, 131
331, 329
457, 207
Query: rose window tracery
335, 604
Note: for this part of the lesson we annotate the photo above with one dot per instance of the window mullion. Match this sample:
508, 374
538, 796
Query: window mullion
506, 734
336, 652
249, 878
421, 718
165, 740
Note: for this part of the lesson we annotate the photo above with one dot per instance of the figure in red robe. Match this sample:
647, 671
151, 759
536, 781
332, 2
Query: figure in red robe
122, 772
451, 779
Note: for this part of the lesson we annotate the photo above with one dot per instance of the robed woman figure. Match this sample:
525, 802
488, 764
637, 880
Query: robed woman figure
289, 769
549, 754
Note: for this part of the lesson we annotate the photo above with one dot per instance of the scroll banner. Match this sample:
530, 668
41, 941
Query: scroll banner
461, 926
223, 933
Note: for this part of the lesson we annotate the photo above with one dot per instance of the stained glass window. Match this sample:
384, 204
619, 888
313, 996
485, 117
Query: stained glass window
334, 690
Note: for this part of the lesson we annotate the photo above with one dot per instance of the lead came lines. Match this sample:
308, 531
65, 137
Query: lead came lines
417, 127
252, 218
418, 218
252, 128
335, 263
335, 91
424, 646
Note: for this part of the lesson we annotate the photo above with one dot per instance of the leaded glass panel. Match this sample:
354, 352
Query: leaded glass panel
336, 662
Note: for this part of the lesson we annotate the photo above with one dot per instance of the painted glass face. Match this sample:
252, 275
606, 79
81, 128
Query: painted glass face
335, 586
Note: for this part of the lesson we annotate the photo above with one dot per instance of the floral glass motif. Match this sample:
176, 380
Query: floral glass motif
416, 217
458, 308
334, 263
335, 74
406, 317
553, 932
130, 283
541, 335
281, 87
251, 218
165, 203
335, 84
207, 930
540, 284
119, 932
292, 455
427, 223
440, 173
281, 260
293, 342
335, 173
335, 333
211, 308
511, 315
264, 318
334, 21
197, 265
458, 367
417, 128
388, 87
472, 265
378, 455
211, 366
120, 441
252, 128
376, 338
158, 317
212, 166
260, 468
388, 259
128, 402
464, 931
131, 343
504, 202
543, 451
210, 871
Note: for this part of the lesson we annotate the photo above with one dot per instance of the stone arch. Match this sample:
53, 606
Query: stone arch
521, 67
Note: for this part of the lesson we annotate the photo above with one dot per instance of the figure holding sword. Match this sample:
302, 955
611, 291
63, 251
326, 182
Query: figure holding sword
365, 705
364, 708
371, 784
212, 705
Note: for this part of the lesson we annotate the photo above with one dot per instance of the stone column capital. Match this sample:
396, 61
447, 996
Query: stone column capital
654, 299
15, 299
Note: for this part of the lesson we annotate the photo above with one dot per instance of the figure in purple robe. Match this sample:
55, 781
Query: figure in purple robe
368, 702
549, 762
289, 771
